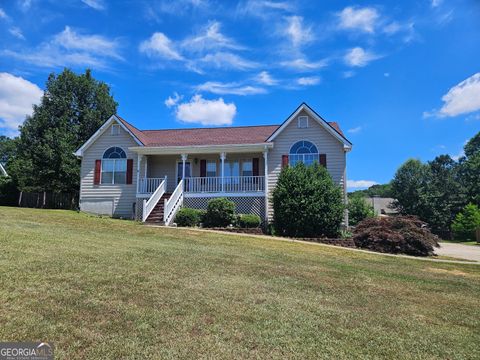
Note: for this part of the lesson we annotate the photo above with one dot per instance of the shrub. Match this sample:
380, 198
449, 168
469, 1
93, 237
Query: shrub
307, 203
395, 235
8, 191
359, 209
220, 213
466, 222
189, 217
248, 220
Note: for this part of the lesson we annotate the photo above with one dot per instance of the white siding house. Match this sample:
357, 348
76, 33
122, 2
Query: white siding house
149, 174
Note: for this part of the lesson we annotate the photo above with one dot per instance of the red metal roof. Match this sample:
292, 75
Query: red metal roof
207, 136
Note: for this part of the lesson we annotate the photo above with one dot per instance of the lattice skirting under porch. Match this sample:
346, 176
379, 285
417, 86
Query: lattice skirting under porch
243, 204
139, 209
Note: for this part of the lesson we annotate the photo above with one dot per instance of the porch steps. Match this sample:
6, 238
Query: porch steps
156, 216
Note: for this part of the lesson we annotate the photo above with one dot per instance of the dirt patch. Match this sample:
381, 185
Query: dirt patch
450, 272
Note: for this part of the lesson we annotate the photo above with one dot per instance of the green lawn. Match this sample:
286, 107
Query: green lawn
110, 289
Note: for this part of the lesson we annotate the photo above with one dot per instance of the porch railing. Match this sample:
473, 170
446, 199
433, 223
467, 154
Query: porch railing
225, 184
149, 205
148, 185
173, 204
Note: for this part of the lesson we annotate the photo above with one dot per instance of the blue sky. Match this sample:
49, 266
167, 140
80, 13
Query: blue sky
401, 78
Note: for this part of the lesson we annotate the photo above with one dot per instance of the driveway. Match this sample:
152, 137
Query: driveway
467, 252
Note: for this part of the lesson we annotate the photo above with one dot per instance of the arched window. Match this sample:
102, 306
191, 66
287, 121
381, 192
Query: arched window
114, 166
303, 151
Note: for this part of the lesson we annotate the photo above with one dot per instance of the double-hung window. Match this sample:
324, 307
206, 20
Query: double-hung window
211, 170
247, 167
114, 166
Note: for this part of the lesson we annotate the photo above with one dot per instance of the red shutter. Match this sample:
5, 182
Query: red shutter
284, 161
203, 168
129, 171
98, 170
322, 159
255, 166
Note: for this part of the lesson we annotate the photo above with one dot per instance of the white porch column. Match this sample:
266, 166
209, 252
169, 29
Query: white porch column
222, 158
146, 166
265, 158
184, 159
139, 160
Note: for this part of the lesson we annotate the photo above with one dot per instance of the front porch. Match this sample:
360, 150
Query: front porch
193, 179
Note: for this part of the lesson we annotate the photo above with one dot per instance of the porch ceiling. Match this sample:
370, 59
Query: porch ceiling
201, 149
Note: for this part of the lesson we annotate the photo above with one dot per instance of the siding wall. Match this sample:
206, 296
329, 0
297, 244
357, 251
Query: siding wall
114, 200
315, 133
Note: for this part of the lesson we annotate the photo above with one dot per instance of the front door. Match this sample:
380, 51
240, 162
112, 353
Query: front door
180, 170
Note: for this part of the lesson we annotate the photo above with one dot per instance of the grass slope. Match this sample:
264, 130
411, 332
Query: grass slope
103, 288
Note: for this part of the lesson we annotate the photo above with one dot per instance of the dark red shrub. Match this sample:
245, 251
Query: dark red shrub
395, 235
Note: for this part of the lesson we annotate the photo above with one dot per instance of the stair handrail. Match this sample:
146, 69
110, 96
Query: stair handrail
173, 204
149, 205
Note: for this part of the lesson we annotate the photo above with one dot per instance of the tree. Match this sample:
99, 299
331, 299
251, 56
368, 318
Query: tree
444, 195
408, 187
470, 169
72, 108
466, 222
7, 149
307, 203
359, 209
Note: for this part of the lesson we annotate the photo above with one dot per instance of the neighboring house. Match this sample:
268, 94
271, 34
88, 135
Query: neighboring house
3, 172
382, 206
149, 174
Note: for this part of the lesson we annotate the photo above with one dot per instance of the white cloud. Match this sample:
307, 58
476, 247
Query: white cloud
159, 45
309, 80
70, 48
266, 79
264, 8
226, 60
356, 184
355, 130
155, 10
348, 74
15, 31
358, 57
219, 88
210, 38
386, 74
302, 64
71, 40
172, 101
17, 97
357, 18
3, 14
435, 3
463, 98
297, 32
95, 4
206, 112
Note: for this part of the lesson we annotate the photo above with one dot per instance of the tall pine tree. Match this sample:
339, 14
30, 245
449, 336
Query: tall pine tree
72, 108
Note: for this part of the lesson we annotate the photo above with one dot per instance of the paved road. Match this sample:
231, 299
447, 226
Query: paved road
467, 252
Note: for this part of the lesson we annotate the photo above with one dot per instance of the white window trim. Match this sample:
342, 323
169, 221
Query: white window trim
299, 120
206, 167
242, 164
113, 172
115, 132
290, 154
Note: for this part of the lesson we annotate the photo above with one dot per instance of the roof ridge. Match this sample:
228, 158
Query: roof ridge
211, 127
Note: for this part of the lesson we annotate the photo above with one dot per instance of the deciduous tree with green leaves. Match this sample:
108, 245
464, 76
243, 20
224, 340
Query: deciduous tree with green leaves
72, 108
359, 209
